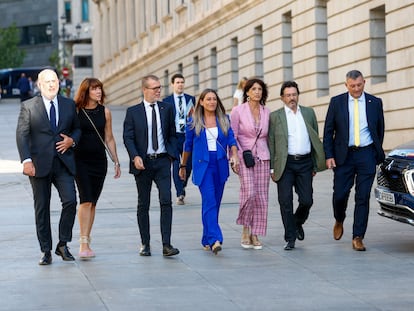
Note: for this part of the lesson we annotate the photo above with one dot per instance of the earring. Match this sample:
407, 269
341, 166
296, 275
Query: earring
248, 98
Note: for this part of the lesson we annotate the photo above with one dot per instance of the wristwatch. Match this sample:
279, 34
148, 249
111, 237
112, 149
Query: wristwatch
73, 144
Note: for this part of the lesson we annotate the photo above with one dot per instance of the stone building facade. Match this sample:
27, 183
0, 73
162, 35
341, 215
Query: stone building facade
32, 18
215, 42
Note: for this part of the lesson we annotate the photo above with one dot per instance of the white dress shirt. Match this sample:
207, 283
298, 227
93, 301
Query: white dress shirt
161, 144
298, 137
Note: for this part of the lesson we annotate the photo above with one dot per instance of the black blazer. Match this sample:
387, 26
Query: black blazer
136, 131
336, 132
36, 140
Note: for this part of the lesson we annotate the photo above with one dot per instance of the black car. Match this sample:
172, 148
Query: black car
395, 179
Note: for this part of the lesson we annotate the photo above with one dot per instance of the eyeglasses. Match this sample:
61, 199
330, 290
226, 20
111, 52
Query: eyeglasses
290, 95
156, 88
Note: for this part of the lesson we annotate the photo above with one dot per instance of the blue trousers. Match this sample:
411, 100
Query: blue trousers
359, 167
178, 182
211, 189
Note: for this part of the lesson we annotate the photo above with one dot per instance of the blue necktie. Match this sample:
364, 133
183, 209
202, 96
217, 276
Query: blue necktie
181, 113
52, 116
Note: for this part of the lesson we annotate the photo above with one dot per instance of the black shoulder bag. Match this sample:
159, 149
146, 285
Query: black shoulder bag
248, 155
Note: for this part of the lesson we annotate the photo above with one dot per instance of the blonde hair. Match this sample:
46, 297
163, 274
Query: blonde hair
198, 115
241, 82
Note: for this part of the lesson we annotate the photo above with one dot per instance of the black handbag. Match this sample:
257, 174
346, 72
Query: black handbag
248, 154
248, 158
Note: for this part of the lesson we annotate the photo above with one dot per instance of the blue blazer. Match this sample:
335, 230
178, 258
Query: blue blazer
170, 99
35, 138
135, 133
336, 131
197, 145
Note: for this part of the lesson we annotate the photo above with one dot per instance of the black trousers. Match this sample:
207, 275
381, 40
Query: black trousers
297, 174
42, 189
158, 171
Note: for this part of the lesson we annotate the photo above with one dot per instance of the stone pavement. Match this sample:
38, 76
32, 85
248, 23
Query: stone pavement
320, 274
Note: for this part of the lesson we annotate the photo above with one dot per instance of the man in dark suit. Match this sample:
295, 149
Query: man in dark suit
150, 139
183, 106
352, 140
47, 130
24, 86
296, 154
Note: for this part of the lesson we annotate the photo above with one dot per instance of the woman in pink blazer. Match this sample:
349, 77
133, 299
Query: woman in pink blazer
250, 123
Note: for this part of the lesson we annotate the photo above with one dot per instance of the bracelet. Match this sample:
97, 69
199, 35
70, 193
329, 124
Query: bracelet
183, 166
117, 164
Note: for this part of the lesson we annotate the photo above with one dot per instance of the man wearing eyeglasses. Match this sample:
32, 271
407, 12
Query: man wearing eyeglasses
150, 139
296, 154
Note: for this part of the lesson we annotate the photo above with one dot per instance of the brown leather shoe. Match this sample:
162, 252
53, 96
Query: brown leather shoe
357, 244
338, 230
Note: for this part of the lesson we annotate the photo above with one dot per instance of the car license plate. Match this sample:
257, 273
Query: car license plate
386, 196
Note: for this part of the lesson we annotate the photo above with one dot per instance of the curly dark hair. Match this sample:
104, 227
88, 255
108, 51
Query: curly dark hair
287, 84
249, 85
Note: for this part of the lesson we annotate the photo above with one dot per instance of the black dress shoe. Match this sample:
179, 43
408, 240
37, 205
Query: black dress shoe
63, 251
46, 259
289, 246
300, 234
168, 250
145, 250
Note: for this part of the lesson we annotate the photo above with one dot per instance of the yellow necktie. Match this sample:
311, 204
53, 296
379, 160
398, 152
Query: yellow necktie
356, 122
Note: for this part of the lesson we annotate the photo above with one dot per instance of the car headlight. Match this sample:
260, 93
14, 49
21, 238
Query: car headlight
409, 181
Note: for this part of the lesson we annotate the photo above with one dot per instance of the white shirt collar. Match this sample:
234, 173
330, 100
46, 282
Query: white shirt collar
288, 110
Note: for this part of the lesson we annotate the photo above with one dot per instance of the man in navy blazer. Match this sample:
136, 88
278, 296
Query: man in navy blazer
151, 159
183, 107
47, 130
352, 150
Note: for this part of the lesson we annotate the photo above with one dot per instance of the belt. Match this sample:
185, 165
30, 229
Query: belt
153, 156
357, 148
298, 157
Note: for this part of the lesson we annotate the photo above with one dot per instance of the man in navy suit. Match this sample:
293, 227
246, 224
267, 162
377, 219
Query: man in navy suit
150, 139
183, 106
47, 130
352, 140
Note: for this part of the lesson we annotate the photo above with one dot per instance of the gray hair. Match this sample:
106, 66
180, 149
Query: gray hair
354, 74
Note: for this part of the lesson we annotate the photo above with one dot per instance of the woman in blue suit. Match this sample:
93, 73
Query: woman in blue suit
208, 137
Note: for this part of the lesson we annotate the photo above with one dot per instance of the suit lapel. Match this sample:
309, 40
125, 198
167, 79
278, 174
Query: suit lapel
369, 109
345, 111
143, 122
263, 117
61, 112
283, 122
40, 108
249, 114
161, 108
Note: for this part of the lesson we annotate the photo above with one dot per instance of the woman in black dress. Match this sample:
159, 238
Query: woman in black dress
90, 156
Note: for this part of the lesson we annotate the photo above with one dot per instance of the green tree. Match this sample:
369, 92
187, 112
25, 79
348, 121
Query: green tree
11, 54
54, 60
